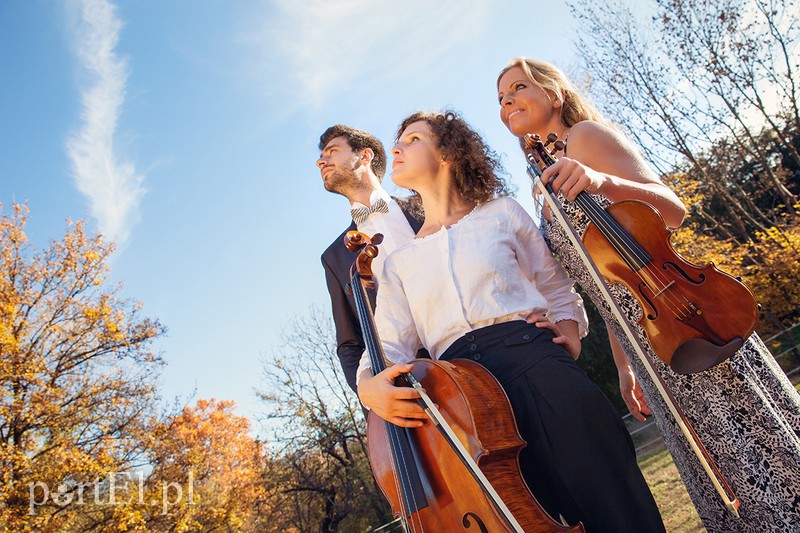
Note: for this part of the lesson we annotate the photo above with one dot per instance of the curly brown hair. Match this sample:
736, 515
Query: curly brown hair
358, 140
475, 166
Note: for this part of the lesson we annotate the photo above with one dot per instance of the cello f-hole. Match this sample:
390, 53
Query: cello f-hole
465, 521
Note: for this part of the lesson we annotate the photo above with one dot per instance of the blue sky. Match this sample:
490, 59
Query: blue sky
186, 130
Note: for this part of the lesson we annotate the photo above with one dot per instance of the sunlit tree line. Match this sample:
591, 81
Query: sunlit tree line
84, 445
708, 90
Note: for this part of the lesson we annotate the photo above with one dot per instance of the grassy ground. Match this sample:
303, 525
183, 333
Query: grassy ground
668, 490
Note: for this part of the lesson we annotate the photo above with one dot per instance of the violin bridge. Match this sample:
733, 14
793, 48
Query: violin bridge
664, 288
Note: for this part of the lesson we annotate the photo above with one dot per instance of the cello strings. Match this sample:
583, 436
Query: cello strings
392, 432
403, 487
402, 479
393, 445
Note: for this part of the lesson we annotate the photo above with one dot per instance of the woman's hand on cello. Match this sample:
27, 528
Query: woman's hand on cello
397, 405
571, 177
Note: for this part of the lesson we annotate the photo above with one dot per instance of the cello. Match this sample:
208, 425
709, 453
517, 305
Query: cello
460, 471
537, 154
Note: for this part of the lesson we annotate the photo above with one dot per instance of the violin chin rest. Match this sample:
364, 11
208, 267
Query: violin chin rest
696, 355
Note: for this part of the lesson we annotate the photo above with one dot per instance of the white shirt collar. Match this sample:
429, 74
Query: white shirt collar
377, 193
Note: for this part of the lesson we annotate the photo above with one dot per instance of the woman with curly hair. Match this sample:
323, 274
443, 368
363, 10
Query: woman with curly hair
463, 288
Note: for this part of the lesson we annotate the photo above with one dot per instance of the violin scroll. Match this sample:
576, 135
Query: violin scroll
534, 145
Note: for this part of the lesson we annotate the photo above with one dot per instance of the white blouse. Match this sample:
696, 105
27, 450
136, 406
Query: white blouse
490, 267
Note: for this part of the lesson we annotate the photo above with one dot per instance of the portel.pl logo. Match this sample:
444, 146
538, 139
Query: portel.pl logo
119, 488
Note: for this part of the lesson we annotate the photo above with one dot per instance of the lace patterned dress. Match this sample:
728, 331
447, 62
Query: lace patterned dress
745, 411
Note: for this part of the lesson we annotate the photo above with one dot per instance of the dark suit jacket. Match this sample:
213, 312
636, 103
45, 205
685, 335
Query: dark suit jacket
337, 260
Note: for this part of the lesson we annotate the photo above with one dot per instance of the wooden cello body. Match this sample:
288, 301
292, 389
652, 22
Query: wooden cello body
460, 471
477, 409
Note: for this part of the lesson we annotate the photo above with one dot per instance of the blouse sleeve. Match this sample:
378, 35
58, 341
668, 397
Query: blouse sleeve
547, 275
393, 320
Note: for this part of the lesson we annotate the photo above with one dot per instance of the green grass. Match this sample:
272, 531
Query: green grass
669, 492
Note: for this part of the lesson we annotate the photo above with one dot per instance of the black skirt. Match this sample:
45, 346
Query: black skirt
579, 461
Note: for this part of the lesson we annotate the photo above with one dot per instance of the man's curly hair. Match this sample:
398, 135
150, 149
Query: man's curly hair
475, 165
358, 140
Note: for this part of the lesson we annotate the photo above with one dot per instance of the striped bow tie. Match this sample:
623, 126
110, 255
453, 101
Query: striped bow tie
360, 214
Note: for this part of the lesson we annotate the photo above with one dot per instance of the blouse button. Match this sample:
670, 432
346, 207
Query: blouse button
526, 337
476, 357
470, 337
473, 347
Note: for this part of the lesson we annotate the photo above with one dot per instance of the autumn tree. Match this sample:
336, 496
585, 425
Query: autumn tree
740, 53
206, 473
708, 90
76, 378
320, 479
694, 72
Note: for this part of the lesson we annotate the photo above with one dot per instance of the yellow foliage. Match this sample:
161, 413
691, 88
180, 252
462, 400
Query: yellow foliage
776, 280
769, 265
208, 451
75, 373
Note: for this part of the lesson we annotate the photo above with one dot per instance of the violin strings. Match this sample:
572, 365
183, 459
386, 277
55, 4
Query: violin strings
680, 307
621, 241
627, 247
392, 432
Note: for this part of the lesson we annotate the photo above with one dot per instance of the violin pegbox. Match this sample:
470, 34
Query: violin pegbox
558, 145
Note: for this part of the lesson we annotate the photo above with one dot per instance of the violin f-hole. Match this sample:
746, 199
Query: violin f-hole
683, 273
653, 312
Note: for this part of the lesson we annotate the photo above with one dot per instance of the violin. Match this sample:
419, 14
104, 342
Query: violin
534, 145
694, 316
460, 471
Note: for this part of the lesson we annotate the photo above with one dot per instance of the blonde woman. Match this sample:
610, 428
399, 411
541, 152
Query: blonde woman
745, 410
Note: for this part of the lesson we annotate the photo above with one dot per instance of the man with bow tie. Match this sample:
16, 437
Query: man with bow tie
352, 163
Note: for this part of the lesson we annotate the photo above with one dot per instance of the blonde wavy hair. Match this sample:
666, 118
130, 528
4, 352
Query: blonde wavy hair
574, 107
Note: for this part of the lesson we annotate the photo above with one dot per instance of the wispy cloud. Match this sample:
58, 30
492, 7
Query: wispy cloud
107, 179
327, 46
